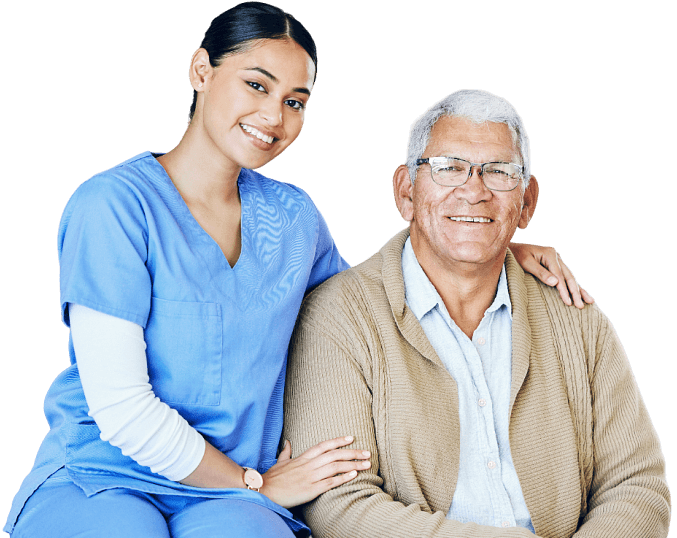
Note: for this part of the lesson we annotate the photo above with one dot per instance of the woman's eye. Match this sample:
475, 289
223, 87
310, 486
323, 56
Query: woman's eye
256, 86
293, 103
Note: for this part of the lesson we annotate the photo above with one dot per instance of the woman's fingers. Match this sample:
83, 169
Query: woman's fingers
291, 482
586, 296
546, 265
323, 461
326, 446
339, 468
572, 290
339, 461
337, 473
285, 454
333, 481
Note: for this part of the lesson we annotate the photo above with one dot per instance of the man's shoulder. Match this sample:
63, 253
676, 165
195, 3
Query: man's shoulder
354, 283
364, 290
546, 311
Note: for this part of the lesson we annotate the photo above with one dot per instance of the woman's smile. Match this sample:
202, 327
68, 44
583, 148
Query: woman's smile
254, 132
251, 107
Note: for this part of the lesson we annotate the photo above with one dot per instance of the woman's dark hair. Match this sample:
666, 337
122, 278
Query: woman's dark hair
233, 30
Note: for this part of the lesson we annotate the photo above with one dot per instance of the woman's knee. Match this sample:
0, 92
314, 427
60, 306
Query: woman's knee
226, 518
63, 510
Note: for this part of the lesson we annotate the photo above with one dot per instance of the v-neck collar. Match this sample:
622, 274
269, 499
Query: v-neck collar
216, 263
190, 219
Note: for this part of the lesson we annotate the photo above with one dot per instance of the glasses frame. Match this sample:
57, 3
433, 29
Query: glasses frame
428, 160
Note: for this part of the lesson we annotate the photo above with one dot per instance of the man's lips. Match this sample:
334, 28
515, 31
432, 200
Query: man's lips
471, 219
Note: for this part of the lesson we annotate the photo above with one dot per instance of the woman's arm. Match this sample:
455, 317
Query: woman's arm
111, 358
114, 374
546, 265
290, 482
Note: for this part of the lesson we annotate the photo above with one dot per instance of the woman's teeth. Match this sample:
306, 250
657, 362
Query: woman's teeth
258, 134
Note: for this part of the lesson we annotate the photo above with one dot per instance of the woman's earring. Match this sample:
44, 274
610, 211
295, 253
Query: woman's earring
199, 85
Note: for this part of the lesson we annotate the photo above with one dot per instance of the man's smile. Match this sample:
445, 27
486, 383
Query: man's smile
470, 219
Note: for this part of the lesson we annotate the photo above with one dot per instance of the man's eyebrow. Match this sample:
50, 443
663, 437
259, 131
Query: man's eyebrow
275, 79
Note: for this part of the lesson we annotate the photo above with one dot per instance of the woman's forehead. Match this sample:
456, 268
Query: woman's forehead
283, 59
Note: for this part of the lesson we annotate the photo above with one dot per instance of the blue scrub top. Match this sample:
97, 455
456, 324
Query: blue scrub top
216, 336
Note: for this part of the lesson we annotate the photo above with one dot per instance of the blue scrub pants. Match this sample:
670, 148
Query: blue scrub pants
60, 509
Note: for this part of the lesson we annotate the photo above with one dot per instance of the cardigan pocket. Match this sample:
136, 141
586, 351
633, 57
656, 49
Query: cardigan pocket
184, 351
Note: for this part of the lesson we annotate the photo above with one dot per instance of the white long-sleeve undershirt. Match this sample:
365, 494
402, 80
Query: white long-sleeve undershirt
111, 358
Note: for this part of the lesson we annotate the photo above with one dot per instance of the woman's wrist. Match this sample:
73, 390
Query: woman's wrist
216, 470
252, 479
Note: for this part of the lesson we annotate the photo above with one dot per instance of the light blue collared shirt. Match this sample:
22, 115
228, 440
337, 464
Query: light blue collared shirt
488, 491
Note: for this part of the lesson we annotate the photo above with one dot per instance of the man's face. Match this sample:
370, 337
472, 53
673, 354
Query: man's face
440, 232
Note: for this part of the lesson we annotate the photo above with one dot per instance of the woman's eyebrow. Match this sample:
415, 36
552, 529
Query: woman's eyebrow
275, 80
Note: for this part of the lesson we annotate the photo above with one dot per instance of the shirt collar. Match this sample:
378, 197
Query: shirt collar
421, 296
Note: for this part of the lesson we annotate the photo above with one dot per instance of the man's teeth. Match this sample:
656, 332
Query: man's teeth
470, 219
258, 134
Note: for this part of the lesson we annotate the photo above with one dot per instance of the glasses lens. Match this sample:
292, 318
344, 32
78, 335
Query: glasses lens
501, 176
449, 172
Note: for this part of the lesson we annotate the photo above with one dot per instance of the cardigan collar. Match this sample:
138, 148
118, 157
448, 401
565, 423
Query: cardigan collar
412, 331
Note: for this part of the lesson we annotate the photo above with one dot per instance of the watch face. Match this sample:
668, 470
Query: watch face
253, 479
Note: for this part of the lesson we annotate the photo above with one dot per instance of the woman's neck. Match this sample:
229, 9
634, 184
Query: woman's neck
199, 171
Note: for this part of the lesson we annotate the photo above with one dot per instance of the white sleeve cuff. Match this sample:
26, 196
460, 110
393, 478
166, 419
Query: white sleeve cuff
111, 357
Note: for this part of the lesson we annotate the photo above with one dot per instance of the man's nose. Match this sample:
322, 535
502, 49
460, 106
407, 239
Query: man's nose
474, 190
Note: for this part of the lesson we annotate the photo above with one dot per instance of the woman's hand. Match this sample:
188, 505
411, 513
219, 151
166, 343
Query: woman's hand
546, 265
291, 482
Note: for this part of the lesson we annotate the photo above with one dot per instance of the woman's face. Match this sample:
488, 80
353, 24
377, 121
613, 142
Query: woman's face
254, 103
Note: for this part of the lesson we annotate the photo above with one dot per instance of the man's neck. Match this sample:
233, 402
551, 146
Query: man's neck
466, 289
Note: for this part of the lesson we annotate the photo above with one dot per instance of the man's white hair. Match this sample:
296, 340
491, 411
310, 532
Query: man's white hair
478, 106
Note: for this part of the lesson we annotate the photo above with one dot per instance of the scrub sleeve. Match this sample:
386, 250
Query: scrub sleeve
216, 336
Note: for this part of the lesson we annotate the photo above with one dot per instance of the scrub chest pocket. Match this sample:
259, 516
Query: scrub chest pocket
185, 351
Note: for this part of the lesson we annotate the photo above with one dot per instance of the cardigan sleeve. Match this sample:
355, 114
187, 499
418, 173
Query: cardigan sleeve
329, 394
628, 496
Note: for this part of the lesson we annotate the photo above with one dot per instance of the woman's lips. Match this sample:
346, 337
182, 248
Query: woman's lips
268, 139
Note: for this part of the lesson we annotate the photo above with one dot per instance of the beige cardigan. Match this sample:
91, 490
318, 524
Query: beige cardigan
360, 364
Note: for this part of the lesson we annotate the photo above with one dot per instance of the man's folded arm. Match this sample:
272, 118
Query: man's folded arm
629, 496
328, 394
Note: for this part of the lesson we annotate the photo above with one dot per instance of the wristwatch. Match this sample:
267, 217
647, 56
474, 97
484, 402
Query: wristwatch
252, 479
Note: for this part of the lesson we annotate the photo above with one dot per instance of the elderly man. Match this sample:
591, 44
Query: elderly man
489, 407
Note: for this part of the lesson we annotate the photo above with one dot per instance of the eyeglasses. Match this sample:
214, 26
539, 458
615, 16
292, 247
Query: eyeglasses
453, 172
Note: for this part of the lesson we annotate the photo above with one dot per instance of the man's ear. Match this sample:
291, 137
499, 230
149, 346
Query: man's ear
529, 203
403, 190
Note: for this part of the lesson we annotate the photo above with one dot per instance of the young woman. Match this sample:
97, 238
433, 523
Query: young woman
181, 277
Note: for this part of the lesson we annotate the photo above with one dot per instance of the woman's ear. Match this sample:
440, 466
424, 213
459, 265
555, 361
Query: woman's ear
403, 189
199, 69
